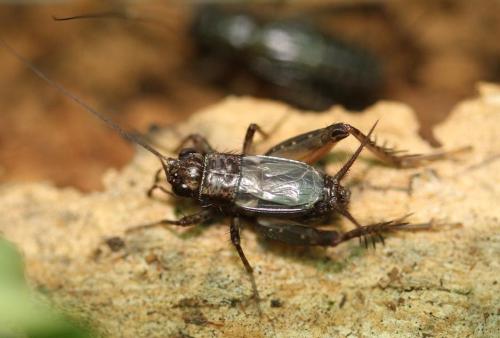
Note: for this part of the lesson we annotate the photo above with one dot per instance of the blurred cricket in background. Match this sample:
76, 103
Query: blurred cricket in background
288, 57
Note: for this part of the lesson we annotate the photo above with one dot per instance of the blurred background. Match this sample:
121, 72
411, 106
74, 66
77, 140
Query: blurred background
151, 64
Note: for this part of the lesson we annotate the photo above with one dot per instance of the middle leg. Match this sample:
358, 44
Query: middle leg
200, 144
248, 142
235, 239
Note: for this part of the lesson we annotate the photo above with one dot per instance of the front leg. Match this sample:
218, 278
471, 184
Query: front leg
198, 218
157, 185
312, 146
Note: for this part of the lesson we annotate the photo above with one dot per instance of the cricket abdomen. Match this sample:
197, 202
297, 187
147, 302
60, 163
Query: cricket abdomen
274, 185
261, 184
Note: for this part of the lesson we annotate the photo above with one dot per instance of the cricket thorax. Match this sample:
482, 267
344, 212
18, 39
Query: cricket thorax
221, 176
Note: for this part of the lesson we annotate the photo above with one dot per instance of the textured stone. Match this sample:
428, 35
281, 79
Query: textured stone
190, 281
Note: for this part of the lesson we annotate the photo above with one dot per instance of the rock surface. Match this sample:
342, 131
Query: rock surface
190, 282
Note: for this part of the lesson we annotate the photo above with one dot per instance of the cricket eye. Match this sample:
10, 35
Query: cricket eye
185, 152
181, 190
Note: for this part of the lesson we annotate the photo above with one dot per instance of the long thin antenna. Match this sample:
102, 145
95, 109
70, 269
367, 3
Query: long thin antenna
125, 15
127, 136
97, 15
343, 171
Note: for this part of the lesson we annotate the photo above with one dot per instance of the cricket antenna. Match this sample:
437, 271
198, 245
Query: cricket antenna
343, 171
116, 14
123, 15
127, 136
97, 15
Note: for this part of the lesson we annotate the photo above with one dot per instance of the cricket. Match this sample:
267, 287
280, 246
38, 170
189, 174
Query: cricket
279, 192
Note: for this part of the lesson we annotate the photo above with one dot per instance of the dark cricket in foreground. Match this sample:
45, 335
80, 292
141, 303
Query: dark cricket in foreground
279, 192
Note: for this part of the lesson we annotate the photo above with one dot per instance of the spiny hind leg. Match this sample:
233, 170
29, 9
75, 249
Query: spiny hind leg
399, 158
299, 234
312, 146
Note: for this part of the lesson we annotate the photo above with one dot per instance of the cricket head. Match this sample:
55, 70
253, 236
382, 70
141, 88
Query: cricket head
185, 173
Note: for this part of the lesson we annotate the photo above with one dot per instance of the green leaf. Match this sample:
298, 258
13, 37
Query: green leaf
21, 314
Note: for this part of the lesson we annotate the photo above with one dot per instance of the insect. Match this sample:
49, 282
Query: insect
301, 65
280, 192
294, 59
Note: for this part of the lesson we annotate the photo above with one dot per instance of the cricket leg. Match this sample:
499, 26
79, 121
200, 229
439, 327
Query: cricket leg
311, 146
235, 239
373, 231
314, 145
199, 217
248, 142
299, 234
294, 233
200, 144
157, 185
398, 158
